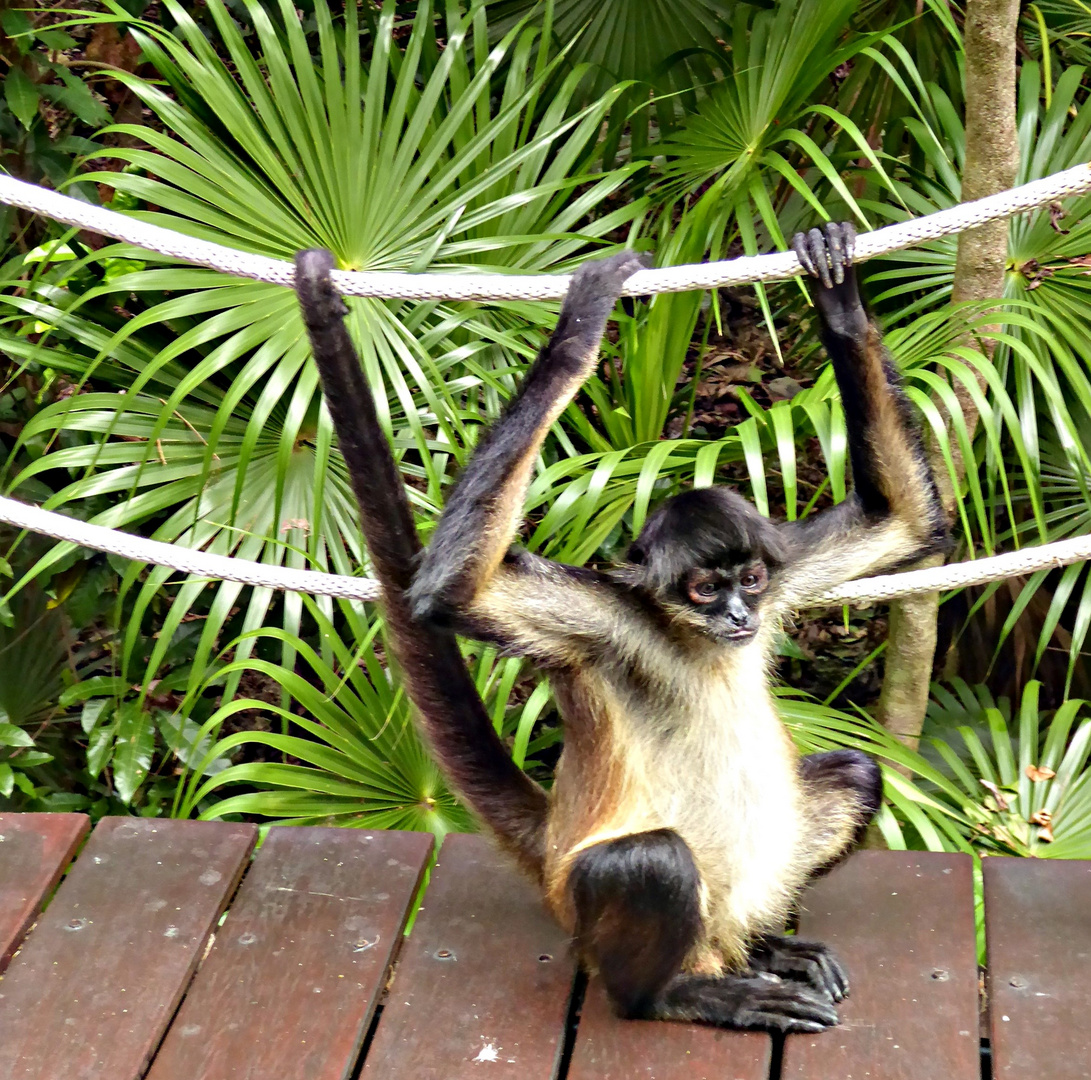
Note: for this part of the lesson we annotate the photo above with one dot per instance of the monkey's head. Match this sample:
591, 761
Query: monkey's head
707, 556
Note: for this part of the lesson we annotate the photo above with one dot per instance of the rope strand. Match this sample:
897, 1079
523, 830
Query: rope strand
205, 564
740, 271
438, 286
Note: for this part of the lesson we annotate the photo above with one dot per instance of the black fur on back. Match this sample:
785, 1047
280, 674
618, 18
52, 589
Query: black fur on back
704, 527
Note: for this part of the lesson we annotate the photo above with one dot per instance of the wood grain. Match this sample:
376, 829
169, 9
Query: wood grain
290, 986
94, 987
903, 924
34, 851
1038, 937
483, 982
611, 1049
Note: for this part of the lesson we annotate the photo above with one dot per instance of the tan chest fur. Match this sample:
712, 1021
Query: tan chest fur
702, 753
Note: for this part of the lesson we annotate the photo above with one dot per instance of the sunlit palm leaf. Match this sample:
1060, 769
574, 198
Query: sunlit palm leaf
410, 164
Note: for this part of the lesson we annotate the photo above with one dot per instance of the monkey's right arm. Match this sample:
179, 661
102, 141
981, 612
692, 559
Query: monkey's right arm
893, 515
467, 577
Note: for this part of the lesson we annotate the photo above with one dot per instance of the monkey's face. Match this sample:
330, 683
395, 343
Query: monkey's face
726, 599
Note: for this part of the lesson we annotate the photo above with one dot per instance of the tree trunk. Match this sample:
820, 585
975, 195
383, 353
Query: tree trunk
992, 158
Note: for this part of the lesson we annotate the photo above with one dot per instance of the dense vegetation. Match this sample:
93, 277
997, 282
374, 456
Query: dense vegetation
512, 135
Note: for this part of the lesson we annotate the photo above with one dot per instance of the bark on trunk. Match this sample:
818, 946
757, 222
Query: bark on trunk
992, 158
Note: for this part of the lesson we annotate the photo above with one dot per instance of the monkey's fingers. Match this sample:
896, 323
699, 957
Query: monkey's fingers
807, 961
835, 249
835, 976
820, 256
747, 1001
799, 246
848, 238
818, 965
786, 1007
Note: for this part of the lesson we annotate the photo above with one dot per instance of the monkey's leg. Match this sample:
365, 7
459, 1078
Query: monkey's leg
849, 788
638, 914
851, 784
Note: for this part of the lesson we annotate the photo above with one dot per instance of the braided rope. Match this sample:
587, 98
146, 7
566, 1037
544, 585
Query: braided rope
205, 564
388, 285
502, 287
187, 560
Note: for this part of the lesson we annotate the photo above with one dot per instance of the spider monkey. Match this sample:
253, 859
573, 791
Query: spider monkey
682, 824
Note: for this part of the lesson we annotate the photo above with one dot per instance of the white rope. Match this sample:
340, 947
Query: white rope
187, 560
781, 264
502, 287
206, 565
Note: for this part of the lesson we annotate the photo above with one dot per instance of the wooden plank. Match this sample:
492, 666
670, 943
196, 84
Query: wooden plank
290, 986
484, 977
903, 924
94, 987
34, 850
611, 1049
1038, 937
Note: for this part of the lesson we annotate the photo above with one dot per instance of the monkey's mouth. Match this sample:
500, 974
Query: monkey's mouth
736, 635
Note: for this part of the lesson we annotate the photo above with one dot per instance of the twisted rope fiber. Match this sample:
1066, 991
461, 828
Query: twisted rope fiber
205, 564
391, 285
501, 287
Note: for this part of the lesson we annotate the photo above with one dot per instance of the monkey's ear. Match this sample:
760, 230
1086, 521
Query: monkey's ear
774, 547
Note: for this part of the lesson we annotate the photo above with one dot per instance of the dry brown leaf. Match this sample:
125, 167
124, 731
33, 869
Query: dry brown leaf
1046, 833
1042, 817
1001, 801
1038, 774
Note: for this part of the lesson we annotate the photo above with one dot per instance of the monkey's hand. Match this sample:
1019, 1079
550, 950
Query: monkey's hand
595, 288
803, 961
827, 257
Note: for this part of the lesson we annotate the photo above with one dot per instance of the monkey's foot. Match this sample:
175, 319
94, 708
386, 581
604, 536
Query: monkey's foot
745, 1001
803, 961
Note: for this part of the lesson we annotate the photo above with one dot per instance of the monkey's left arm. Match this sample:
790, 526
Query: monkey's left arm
893, 515
466, 578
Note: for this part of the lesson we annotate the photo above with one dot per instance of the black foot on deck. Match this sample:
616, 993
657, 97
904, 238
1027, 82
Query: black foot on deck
802, 961
745, 1002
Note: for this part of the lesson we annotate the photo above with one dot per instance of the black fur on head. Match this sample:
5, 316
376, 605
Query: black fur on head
705, 527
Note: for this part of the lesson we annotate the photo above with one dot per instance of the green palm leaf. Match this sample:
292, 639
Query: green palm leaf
410, 163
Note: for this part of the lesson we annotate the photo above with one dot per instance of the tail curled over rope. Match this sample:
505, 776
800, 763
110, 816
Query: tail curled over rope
451, 710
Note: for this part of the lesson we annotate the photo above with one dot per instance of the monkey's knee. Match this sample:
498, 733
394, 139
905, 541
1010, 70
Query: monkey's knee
637, 904
852, 783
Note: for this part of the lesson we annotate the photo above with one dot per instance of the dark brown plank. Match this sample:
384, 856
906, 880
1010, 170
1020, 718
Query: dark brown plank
903, 923
94, 987
611, 1049
1038, 937
289, 988
34, 850
483, 977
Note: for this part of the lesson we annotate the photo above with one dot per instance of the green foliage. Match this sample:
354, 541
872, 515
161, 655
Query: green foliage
347, 747
412, 163
1025, 777
47, 106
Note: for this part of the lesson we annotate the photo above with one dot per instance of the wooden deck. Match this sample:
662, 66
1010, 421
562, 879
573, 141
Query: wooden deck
134, 968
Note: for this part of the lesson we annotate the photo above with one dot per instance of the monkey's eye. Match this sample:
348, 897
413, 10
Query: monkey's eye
754, 579
703, 591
